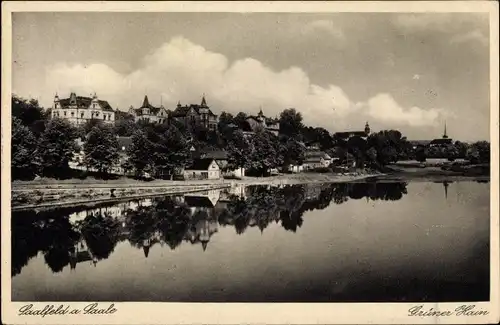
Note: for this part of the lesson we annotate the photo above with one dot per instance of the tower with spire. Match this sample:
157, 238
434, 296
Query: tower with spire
367, 129
445, 136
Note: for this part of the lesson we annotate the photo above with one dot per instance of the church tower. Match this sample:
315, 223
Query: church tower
56, 102
367, 129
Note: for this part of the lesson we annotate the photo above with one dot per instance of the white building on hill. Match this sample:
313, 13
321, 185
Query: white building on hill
78, 109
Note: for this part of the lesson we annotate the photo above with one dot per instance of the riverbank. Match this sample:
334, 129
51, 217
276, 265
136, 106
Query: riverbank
50, 192
302, 178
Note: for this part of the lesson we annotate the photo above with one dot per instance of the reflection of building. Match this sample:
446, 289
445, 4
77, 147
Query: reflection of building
80, 254
202, 231
261, 122
78, 110
194, 114
149, 113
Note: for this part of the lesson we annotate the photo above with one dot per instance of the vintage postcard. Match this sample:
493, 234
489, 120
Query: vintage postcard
250, 162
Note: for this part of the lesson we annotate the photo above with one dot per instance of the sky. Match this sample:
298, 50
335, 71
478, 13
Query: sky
410, 72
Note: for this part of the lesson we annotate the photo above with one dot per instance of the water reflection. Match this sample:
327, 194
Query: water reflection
70, 236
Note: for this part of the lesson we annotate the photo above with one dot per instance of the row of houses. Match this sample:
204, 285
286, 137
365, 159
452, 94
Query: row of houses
80, 109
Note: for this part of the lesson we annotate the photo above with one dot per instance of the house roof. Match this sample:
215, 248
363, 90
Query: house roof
315, 153
200, 164
84, 103
344, 135
145, 104
442, 141
181, 111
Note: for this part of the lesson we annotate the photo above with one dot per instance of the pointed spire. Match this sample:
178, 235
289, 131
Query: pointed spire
445, 136
179, 104
204, 245
446, 184
203, 101
146, 101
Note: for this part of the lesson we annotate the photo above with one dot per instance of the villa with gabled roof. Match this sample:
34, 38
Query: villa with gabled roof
149, 113
79, 109
194, 114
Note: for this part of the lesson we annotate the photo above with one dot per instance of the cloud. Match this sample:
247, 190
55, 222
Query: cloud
323, 26
383, 107
182, 70
472, 36
416, 77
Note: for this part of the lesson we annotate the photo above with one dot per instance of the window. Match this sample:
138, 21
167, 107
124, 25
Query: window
72, 114
82, 114
93, 106
64, 113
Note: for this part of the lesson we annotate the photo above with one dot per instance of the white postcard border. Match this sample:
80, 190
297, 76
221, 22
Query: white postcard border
235, 313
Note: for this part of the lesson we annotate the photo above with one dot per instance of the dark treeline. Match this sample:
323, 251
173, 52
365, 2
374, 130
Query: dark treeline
170, 221
44, 146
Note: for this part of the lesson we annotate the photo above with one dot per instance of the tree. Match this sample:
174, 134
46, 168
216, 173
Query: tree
90, 124
265, 152
479, 152
292, 152
462, 148
101, 149
170, 151
239, 151
57, 147
125, 127
389, 145
240, 119
291, 122
357, 147
24, 162
140, 153
420, 154
224, 120
27, 111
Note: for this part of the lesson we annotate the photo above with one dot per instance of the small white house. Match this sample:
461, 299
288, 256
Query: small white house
203, 168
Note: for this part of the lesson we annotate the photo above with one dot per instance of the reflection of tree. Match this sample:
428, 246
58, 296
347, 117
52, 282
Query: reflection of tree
101, 233
172, 222
60, 237
141, 224
26, 234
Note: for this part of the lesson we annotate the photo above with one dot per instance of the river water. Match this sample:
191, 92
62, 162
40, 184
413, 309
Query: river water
361, 242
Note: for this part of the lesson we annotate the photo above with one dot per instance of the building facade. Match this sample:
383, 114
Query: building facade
203, 168
261, 122
195, 115
149, 113
349, 134
78, 109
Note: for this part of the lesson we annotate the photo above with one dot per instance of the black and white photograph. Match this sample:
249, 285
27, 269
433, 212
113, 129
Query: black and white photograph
308, 156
